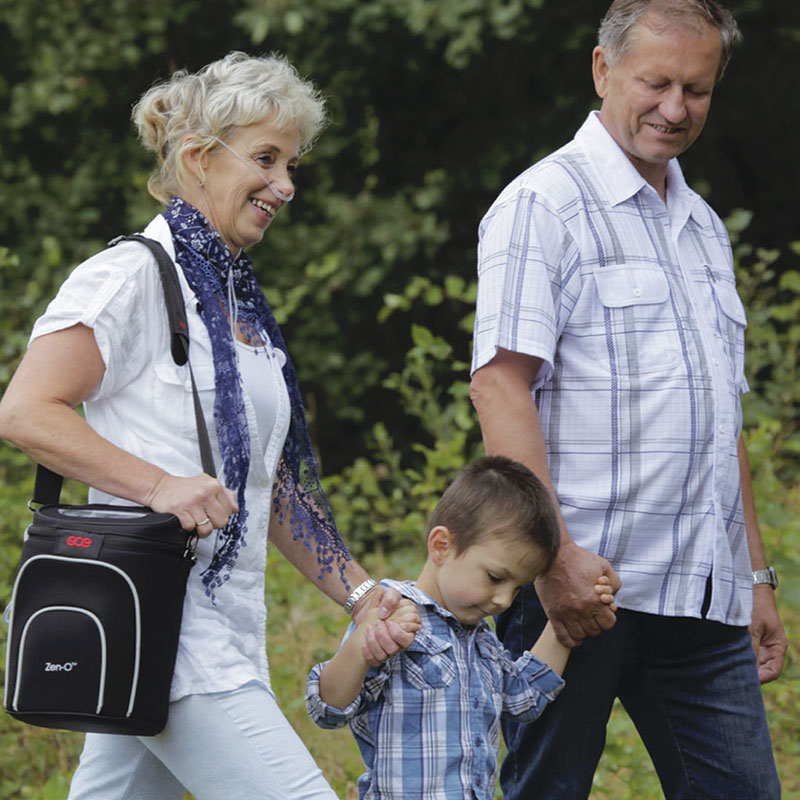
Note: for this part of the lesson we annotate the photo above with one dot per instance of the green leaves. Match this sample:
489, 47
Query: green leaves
385, 504
770, 292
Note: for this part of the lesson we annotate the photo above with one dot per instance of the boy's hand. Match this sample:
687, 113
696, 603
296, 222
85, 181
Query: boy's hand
605, 592
399, 629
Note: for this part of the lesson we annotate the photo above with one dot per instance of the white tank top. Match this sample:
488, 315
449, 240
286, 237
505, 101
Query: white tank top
257, 383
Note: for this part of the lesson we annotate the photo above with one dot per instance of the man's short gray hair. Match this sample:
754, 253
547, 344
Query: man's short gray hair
617, 32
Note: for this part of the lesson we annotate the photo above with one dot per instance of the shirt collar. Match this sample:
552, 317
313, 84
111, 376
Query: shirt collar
410, 591
621, 180
681, 200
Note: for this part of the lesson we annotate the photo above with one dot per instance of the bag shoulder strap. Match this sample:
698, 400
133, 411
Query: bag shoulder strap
47, 485
173, 297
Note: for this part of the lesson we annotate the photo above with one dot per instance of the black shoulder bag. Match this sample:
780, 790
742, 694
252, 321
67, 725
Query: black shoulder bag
96, 608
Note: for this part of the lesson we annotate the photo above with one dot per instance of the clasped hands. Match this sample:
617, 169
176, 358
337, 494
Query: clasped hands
577, 602
389, 622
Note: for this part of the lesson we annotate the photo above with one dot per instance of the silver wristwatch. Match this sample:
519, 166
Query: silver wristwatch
767, 575
359, 592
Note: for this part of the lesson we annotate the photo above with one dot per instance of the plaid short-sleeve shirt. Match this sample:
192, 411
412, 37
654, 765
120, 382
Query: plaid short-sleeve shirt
632, 306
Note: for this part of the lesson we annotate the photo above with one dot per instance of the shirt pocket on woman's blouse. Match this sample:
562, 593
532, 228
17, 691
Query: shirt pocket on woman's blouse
174, 389
428, 663
637, 332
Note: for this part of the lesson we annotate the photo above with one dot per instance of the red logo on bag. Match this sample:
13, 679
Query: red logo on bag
79, 541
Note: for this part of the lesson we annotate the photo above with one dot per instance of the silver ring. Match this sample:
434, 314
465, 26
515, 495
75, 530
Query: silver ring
203, 522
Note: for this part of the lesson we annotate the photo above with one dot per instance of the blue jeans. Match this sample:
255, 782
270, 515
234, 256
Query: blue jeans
689, 685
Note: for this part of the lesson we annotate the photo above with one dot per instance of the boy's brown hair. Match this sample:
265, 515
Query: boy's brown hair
495, 496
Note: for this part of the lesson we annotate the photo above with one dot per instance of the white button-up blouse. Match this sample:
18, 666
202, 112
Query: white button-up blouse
144, 406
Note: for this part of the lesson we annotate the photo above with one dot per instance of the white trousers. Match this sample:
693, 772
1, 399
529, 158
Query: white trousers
227, 746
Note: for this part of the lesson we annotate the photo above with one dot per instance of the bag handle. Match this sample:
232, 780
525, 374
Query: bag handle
47, 485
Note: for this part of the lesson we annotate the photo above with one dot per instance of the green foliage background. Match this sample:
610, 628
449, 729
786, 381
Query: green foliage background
434, 107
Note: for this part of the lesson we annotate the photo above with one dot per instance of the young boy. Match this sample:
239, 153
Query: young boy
427, 719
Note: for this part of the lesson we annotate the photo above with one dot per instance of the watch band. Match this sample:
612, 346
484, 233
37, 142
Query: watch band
357, 594
767, 575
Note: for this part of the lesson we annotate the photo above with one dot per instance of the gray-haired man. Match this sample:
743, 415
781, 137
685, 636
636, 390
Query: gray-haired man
609, 351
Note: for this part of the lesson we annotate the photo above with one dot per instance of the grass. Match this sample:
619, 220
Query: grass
305, 627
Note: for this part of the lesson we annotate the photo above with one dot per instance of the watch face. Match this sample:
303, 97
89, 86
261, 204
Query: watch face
773, 577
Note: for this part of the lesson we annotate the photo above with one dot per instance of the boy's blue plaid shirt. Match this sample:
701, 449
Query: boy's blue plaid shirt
427, 720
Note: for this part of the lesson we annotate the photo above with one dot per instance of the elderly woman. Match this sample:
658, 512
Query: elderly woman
228, 140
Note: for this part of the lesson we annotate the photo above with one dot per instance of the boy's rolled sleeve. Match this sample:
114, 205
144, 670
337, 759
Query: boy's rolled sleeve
329, 717
528, 686
324, 715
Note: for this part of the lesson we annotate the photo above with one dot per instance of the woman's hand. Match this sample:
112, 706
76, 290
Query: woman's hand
401, 627
385, 638
200, 502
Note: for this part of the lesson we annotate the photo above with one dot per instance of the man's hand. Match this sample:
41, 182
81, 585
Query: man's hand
568, 596
385, 637
767, 634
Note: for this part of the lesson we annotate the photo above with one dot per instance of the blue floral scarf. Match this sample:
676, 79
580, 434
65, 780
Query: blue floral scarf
220, 281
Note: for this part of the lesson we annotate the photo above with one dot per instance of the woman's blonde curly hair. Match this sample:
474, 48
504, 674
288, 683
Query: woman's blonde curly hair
234, 91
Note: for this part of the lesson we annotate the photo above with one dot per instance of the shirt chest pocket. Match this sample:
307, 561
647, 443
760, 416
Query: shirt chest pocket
489, 663
731, 321
730, 311
638, 330
174, 390
428, 663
